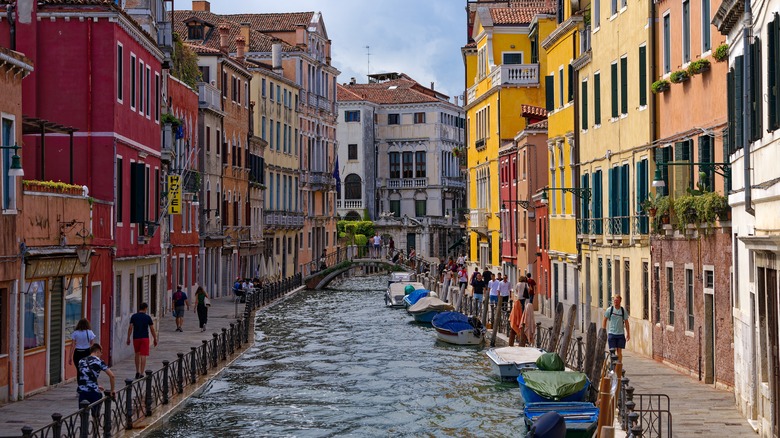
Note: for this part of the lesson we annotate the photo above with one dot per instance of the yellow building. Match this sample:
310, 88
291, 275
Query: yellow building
560, 86
615, 115
503, 65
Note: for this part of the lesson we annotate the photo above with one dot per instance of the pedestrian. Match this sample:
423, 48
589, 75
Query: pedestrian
618, 331
179, 301
83, 338
141, 325
446, 284
392, 247
89, 369
531, 287
463, 281
377, 245
462, 259
503, 291
493, 284
202, 303
528, 323
515, 323
521, 290
441, 270
412, 256
323, 263
478, 287
487, 275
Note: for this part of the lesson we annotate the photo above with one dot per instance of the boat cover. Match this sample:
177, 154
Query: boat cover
428, 304
415, 296
455, 322
555, 385
398, 288
550, 362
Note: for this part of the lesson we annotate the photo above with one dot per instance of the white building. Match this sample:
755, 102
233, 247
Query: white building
754, 140
396, 140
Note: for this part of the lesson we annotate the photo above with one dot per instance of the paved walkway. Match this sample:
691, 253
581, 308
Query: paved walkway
697, 409
36, 410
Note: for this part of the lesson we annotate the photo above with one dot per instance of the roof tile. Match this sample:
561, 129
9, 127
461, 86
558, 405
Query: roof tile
521, 12
398, 91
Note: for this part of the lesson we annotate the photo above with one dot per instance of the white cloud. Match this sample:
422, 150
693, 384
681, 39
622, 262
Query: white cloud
419, 38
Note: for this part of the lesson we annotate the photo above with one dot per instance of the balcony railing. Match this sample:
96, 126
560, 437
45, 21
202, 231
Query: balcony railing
407, 183
209, 97
457, 183
316, 179
320, 102
471, 94
274, 219
478, 219
350, 204
618, 225
585, 40
515, 74
589, 227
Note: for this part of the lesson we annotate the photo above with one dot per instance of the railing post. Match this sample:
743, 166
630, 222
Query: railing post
232, 340
205, 367
193, 364
538, 335
214, 350
579, 353
148, 399
224, 343
179, 372
129, 404
107, 417
27, 432
56, 429
84, 417
166, 386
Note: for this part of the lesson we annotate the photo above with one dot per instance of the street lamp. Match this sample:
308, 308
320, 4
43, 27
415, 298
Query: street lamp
16, 161
658, 180
582, 193
722, 169
526, 205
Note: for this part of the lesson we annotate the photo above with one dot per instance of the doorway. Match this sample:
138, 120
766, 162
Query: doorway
588, 303
96, 310
153, 294
709, 338
55, 331
410, 242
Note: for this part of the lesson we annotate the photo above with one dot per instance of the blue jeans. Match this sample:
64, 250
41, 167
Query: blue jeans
91, 397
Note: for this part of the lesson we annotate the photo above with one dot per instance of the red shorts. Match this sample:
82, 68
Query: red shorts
141, 346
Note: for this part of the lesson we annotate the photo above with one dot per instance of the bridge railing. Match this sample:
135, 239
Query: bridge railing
325, 262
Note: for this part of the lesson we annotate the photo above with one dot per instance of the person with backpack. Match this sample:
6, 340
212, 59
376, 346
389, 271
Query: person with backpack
616, 324
179, 301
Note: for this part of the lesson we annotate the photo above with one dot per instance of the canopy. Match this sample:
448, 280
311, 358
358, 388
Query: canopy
554, 385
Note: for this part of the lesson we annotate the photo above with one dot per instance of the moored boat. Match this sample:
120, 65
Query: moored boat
427, 307
552, 386
507, 362
394, 297
581, 417
457, 328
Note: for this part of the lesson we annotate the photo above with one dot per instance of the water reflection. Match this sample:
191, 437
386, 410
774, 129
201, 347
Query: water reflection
338, 363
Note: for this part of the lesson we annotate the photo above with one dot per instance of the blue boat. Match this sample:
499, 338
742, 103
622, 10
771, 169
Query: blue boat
427, 307
414, 297
581, 417
457, 328
552, 386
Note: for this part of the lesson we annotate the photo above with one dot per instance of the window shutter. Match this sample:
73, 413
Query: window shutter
756, 93
776, 89
625, 201
728, 144
623, 85
705, 156
739, 116
571, 83
597, 99
549, 88
772, 59
137, 192
611, 181
585, 185
643, 76
584, 106
614, 77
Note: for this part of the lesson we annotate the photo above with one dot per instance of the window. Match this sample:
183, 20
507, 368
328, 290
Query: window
419, 118
689, 296
756, 91
584, 106
408, 165
419, 163
686, 31
120, 73
351, 116
132, 81
278, 136
352, 153
419, 207
262, 87
393, 119
549, 91
395, 164
395, 207
556, 283
608, 296
596, 13
35, 315
74, 297
667, 44
205, 73
601, 282
353, 187
598, 203
513, 58
642, 76
614, 77
627, 284
560, 87
645, 291
683, 175
224, 84
663, 155
570, 97
195, 31
613, 7
670, 292
624, 85
706, 43
141, 87
119, 190
139, 186
773, 72
7, 138
148, 91
534, 50
597, 99
157, 97
657, 284
706, 155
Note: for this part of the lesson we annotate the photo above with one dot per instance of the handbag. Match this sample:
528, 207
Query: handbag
207, 301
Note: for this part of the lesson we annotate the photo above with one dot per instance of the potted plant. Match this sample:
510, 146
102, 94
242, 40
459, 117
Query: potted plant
721, 53
456, 151
650, 205
711, 206
699, 66
679, 76
170, 119
660, 86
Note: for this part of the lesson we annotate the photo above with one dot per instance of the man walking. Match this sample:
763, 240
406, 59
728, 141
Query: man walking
180, 300
618, 332
89, 370
531, 287
377, 245
141, 325
503, 290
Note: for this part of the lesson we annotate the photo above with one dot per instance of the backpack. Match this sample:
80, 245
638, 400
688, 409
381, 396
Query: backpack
622, 312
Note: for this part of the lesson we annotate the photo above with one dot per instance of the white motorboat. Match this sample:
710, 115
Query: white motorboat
508, 362
457, 328
394, 297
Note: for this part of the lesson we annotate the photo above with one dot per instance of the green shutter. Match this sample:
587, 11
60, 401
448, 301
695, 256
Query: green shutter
583, 207
705, 156
756, 93
623, 85
739, 115
571, 83
771, 89
776, 62
597, 99
728, 144
549, 89
625, 201
584, 106
614, 76
643, 76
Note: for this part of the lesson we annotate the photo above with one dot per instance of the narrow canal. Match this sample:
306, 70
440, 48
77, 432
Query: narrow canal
339, 363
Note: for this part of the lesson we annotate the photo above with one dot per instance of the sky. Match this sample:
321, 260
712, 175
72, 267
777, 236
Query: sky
421, 38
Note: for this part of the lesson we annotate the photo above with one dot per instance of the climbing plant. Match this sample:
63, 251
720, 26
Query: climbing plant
185, 63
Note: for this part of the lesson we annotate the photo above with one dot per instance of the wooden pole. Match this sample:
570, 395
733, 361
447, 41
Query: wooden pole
496, 325
563, 349
604, 402
552, 343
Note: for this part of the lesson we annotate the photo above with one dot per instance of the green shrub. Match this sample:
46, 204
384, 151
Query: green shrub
698, 66
361, 239
679, 76
660, 86
721, 53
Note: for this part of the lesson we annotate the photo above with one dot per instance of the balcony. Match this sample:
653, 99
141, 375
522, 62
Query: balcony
478, 219
455, 183
209, 97
317, 180
279, 220
351, 204
407, 183
515, 74
320, 102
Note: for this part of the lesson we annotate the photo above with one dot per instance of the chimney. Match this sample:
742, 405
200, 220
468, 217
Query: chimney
432, 86
240, 47
224, 31
300, 35
455, 100
276, 57
245, 31
352, 81
201, 5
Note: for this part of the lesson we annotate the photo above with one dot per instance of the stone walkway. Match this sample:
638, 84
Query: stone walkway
35, 411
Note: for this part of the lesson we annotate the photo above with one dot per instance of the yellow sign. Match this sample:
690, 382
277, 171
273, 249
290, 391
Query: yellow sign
174, 194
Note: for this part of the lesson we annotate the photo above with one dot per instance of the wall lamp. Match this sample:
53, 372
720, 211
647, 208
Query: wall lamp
527, 205
582, 193
16, 161
722, 169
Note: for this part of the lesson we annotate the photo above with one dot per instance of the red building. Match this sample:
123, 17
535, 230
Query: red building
99, 73
507, 192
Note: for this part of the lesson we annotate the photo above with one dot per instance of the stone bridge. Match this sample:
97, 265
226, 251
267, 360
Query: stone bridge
320, 279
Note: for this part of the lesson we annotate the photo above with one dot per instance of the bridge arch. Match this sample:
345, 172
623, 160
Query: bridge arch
320, 280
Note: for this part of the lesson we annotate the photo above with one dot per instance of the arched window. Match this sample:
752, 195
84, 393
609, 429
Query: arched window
352, 216
353, 187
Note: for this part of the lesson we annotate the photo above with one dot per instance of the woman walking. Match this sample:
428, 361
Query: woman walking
202, 307
83, 337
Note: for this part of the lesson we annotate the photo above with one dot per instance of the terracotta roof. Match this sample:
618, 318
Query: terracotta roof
72, 2
533, 111
538, 125
277, 22
471, 44
520, 12
397, 91
258, 41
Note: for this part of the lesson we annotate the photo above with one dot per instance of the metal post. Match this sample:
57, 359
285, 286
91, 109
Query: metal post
579, 353
214, 349
180, 372
232, 340
106, 417
129, 404
224, 343
27, 432
205, 364
166, 388
56, 428
193, 364
84, 417
148, 399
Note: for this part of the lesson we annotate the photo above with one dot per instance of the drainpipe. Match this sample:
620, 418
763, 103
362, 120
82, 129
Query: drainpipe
20, 286
12, 25
575, 173
746, 22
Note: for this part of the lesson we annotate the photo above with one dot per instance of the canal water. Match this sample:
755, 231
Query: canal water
338, 363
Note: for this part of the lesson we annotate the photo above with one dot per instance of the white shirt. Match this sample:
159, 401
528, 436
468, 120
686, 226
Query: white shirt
460, 260
493, 285
503, 288
520, 289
